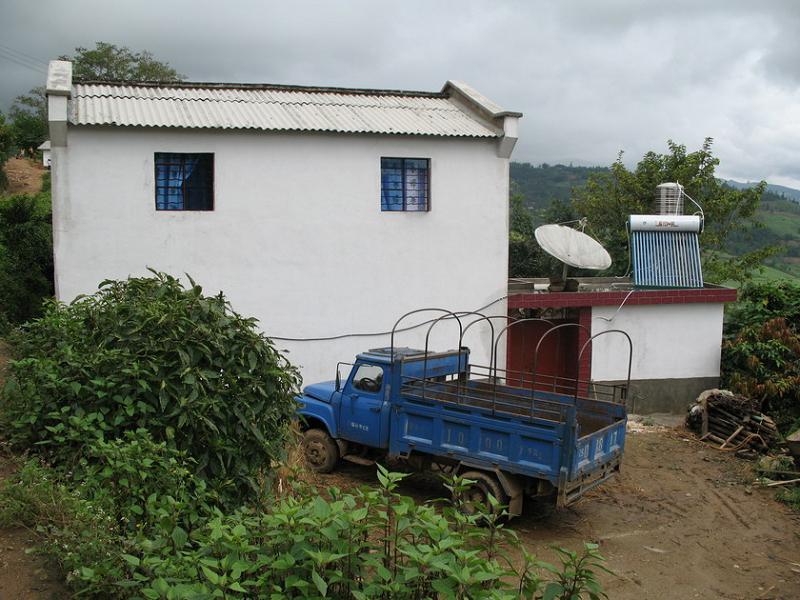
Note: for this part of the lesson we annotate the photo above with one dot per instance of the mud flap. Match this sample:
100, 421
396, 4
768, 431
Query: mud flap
513, 488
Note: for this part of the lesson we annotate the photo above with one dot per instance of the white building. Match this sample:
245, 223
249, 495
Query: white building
675, 335
45, 148
319, 211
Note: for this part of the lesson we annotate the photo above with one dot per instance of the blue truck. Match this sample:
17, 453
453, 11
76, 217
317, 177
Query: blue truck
436, 411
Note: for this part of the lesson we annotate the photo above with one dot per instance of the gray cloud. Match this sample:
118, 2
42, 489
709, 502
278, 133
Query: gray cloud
592, 78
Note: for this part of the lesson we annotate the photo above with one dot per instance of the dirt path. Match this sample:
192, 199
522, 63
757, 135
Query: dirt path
679, 523
24, 176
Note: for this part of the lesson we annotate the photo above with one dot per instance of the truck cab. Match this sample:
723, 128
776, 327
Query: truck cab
353, 411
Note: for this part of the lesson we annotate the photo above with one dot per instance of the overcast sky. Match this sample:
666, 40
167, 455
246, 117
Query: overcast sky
592, 77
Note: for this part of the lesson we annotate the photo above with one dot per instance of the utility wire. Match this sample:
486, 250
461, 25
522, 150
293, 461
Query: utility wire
24, 55
379, 333
30, 65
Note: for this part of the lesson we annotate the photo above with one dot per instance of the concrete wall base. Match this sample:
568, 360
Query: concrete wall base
647, 396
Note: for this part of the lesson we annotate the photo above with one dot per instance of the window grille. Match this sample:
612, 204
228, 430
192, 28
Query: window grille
184, 181
405, 184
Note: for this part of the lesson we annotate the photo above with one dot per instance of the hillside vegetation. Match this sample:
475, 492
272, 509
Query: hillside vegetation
540, 186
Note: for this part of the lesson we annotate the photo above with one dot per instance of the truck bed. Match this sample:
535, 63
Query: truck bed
574, 444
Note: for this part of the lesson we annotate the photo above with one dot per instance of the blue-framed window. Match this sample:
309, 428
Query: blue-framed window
405, 184
184, 181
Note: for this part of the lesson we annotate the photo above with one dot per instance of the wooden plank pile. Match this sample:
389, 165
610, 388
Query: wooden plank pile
732, 422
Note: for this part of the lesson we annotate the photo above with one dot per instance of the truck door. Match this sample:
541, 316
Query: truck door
361, 406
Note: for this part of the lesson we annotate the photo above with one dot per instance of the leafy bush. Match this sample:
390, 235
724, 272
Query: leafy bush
761, 355
147, 484
26, 257
150, 353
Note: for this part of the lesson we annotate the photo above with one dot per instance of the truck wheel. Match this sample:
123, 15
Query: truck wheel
478, 493
320, 451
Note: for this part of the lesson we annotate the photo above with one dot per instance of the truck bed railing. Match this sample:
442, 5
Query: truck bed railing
511, 392
505, 390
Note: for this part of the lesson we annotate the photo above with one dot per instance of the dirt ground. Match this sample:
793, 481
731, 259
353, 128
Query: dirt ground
679, 523
24, 176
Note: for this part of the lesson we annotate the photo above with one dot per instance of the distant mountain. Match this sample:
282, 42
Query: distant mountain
541, 184
780, 190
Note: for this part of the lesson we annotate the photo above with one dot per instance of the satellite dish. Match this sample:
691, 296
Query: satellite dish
572, 247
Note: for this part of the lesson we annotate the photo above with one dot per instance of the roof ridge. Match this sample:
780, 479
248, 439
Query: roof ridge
449, 107
264, 86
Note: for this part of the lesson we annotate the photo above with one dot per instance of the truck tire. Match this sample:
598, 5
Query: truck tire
478, 492
320, 451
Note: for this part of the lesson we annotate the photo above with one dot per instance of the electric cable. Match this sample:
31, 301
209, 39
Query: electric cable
375, 334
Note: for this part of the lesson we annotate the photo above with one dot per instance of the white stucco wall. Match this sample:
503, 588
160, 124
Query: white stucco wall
670, 341
297, 237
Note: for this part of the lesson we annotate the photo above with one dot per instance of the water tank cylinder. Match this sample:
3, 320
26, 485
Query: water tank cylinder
669, 199
693, 223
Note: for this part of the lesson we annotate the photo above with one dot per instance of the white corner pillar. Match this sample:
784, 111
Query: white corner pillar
505, 145
59, 87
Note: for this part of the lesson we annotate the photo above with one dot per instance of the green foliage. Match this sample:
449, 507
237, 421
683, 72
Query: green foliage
150, 353
146, 484
26, 257
109, 62
791, 496
609, 198
524, 254
77, 531
372, 543
6, 148
578, 573
46, 182
29, 120
761, 353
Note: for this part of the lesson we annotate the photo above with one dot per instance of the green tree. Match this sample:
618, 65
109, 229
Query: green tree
608, 199
109, 62
6, 148
29, 120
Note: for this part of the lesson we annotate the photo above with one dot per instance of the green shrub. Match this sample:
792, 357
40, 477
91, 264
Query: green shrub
761, 353
147, 484
46, 182
26, 257
150, 353
373, 543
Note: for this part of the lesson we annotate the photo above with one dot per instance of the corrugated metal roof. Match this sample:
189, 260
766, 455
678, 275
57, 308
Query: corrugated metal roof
666, 259
276, 108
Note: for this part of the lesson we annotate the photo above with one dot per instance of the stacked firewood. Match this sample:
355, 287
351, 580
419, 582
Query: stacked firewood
732, 422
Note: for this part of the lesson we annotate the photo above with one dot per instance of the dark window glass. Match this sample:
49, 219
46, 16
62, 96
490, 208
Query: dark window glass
405, 184
184, 181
